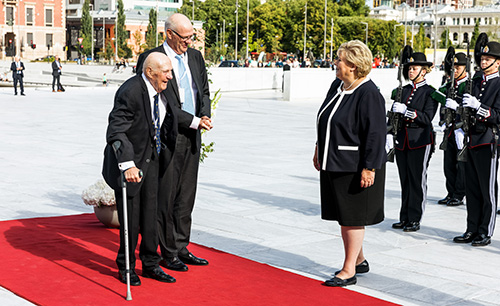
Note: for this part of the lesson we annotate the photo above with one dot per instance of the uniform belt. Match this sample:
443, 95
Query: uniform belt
411, 125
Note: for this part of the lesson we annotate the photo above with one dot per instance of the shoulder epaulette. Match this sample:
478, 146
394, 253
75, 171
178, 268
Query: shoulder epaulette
394, 93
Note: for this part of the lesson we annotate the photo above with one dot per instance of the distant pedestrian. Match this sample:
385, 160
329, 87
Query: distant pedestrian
104, 80
56, 75
17, 68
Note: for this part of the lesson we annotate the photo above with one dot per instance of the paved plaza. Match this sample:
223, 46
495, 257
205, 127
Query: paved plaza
258, 192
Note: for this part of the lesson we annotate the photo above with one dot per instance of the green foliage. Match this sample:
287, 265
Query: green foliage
86, 30
122, 36
208, 148
445, 41
475, 34
421, 41
151, 32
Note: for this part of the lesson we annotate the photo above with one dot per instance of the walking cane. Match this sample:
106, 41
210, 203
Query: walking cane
115, 146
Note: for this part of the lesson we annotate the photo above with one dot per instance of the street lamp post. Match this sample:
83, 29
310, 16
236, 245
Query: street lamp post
331, 43
248, 17
366, 35
236, 34
156, 25
324, 39
92, 16
305, 33
435, 34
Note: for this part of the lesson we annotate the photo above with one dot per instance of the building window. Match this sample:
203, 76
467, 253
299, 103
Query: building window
48, 17
9, 15
455, 36
74, 1
48, 40
29, 16
128, 34
29, 39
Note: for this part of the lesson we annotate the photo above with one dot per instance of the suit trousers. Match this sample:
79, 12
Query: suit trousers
454, 171
142, 215
481, 190
58, 79
412, 168
177, 194
18, 78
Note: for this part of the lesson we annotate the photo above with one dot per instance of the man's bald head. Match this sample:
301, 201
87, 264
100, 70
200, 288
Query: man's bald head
179, 31
158, 70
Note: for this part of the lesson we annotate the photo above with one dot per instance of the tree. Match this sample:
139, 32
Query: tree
86, 30
475, 34
151, 32
445, 41
122, 35
139, 46
421, 41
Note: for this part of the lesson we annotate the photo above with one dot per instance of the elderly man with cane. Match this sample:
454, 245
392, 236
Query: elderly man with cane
139, 115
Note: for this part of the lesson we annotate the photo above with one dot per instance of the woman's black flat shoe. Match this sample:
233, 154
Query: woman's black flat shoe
363, 267
338, 282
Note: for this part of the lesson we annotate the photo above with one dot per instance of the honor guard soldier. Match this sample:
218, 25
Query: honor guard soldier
450, 97
414, 141
482, 150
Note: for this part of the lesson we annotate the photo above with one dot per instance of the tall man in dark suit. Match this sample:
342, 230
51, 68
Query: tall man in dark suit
190, 94
135, 125
56, 74
17, 68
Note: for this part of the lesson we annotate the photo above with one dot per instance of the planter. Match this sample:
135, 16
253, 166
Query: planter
108, 215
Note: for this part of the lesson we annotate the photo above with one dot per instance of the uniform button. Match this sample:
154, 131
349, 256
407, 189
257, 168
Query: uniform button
148, 160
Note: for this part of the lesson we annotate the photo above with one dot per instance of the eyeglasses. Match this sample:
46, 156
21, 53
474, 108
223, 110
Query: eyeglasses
183, 38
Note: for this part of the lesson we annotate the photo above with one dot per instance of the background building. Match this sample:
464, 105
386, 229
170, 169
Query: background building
32, 29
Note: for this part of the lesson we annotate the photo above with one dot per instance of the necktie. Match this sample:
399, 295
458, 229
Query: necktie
156, 112
187, 104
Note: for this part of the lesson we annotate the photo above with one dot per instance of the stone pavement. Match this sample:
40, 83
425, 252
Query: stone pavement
258, 194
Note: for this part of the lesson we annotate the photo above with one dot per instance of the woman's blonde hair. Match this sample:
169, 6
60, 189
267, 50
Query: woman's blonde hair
357, 53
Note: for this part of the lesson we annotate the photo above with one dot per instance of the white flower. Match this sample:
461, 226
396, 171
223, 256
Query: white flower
99, 194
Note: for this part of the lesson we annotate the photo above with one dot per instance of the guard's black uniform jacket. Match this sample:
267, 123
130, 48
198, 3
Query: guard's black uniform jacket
441, 94
421, 108
487, 90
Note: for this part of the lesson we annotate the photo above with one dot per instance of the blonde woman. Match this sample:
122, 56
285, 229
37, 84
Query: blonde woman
350, 155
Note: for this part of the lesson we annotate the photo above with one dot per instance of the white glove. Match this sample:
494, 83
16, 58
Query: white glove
451, 104
471, 101
389, 143
442, 128
399, 108
459, 138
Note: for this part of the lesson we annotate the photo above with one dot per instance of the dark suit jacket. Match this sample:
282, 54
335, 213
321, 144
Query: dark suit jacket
131, 123
55, 69
13, 67
199, 74
357, 130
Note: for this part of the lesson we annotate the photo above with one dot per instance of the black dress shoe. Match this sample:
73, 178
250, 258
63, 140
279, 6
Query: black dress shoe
466, 237
134, 278
338, 282
190, 259
363, 267
481, 240
454, 202
22, 94
412, 227
174, 264
158, 274
498, 212
444, 200
399, 225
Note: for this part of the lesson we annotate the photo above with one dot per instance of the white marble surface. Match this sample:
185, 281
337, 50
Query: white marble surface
258, 194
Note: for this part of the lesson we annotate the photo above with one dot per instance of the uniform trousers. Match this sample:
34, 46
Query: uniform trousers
454, 171
177, 194
481, 189
18, 78
142, 215
412, 168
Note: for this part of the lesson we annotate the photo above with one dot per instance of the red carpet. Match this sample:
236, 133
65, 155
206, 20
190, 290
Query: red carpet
70, 261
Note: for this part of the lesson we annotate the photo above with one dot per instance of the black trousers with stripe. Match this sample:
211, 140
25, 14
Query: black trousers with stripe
454, 171
481, 189
412, 168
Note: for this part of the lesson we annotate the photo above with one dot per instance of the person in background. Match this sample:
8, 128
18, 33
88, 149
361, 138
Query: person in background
56, 75
17, 68
350, 155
